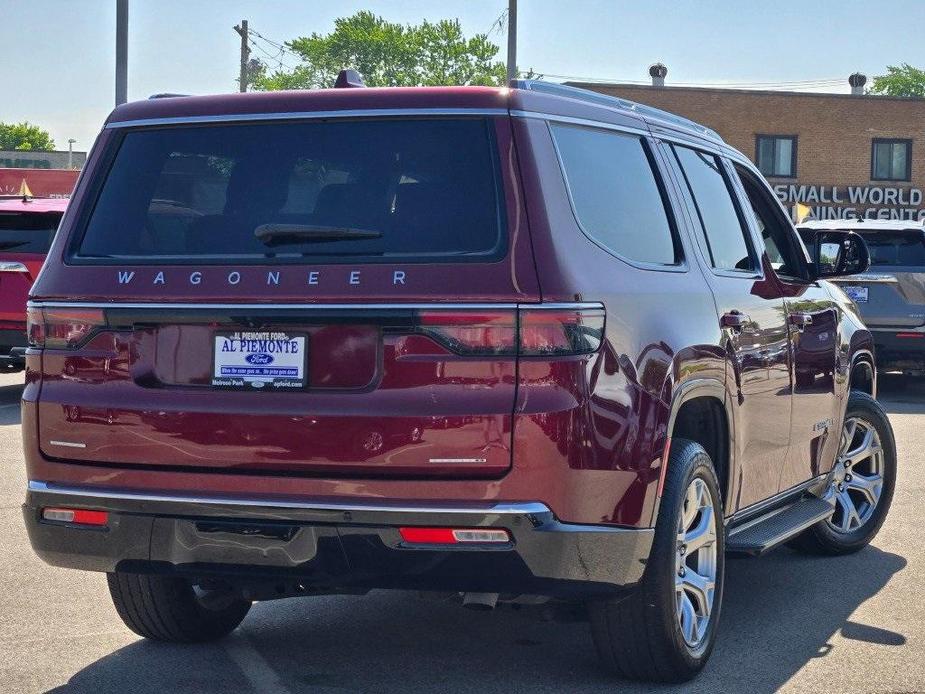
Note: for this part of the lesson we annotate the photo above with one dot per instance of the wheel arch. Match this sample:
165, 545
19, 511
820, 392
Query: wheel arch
863, 374
700, 412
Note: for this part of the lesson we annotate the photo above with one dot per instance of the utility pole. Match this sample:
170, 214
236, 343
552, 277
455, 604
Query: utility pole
70, 152
245, 53
511, 40
121, 51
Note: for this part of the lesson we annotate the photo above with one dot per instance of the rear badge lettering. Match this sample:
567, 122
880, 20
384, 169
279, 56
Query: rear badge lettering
273, 277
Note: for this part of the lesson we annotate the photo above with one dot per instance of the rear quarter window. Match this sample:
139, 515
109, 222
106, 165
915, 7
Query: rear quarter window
361, 190
614, 193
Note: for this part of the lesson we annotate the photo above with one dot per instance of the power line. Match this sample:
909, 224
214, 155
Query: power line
794, 84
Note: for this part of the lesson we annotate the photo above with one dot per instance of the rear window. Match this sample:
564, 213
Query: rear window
905, 249
335, 191
28, 233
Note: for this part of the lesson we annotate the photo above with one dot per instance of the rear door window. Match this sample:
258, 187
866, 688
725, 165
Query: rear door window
28, 233
338, 190
615, 194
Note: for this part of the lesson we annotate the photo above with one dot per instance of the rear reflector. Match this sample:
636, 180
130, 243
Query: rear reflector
76, 516
454, 536
530, 332
62, 328
910, 335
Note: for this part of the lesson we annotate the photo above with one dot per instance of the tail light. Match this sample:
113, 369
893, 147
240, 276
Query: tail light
55, 328
529, 332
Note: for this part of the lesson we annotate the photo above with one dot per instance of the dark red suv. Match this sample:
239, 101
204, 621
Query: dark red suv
516, 344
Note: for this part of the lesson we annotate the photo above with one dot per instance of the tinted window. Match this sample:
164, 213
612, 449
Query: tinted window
27, 233
784, 251
362, 190
615, 194
896, 248
722, 227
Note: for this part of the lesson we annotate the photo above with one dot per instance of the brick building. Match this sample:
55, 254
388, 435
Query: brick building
844, 155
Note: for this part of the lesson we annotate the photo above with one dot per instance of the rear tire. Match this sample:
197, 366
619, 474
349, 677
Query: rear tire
167, 608
644, 635
839, 535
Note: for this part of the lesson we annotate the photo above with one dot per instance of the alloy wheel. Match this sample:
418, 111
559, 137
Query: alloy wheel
696, 562
858, 490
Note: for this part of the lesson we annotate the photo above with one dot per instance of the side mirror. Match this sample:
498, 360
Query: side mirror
838, 253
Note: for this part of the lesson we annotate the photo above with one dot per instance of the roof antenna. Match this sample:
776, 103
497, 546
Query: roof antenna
347, 79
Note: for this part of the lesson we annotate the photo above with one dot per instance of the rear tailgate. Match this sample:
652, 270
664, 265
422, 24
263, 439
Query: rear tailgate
892, 293
196, 345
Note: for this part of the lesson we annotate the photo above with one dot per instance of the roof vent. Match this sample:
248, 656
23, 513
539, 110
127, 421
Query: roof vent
857, 82
347, 79
657, 72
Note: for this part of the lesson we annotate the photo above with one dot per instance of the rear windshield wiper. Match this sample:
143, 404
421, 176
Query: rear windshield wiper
7, 245
272, 234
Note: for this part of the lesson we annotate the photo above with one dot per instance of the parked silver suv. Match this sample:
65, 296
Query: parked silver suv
891, 294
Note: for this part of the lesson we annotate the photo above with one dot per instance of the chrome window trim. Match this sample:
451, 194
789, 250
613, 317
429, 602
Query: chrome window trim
205, 306
587, 122
306, 115
513, 508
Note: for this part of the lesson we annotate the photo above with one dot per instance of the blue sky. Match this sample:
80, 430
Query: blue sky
58, 55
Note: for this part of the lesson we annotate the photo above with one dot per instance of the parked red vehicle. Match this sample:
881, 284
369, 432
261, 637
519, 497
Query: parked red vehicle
500, 342
27, 226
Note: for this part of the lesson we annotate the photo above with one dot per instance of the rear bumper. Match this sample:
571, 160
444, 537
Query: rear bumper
895, 352
334, 547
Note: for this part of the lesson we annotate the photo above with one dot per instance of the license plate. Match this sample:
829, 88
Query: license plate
856, 293
259, 360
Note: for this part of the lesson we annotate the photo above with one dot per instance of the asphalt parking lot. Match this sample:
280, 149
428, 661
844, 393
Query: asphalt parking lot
790, 622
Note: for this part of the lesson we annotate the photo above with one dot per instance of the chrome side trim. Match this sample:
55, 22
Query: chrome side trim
306, 115
525, 508
589, 122
10, 266
384, 306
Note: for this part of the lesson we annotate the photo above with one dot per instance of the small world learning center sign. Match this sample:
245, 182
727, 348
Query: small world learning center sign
853, 202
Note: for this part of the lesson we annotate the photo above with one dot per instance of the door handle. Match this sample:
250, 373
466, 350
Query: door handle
801, 320
734, 320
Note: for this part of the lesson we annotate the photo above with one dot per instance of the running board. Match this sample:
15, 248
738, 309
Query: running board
767, 532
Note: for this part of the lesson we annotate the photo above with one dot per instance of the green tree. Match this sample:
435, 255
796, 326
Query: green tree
388, 54
904, 80
25, 137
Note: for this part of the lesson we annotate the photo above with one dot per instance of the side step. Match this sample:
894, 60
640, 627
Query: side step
767, 532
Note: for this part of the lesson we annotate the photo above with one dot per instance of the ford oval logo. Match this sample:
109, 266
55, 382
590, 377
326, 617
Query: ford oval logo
259, 358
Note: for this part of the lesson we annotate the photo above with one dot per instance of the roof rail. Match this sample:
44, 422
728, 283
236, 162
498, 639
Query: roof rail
166, 95
607, 101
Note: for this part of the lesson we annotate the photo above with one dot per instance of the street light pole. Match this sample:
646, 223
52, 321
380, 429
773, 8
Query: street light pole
121, 51
511, 40
70, 153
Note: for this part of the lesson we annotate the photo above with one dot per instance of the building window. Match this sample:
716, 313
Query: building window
891, 160
776, 155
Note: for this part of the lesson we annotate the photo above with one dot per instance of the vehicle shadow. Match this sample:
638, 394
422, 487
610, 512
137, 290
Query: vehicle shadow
780, 612
899, 394
9, 404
